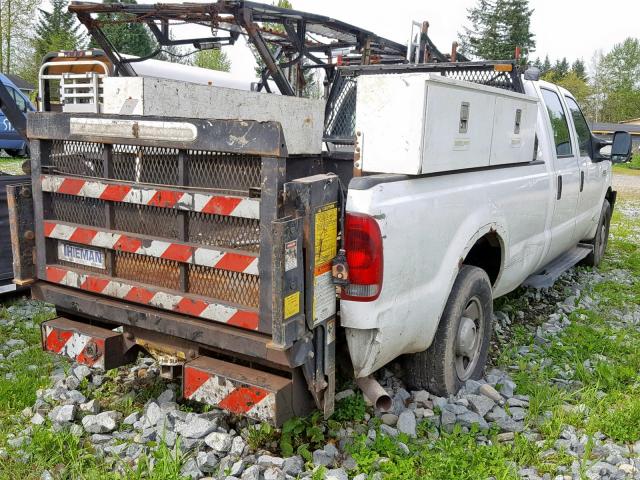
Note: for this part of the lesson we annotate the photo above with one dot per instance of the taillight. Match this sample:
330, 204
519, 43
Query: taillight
363, 244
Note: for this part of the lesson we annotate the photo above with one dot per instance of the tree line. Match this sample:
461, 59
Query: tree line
608, 89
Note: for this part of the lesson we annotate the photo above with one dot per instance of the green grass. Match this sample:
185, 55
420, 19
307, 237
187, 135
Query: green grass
606, 396
631, 168
61, 453
11, 165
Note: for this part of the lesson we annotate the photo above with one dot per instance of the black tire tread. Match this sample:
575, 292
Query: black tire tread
431, 369
594, 258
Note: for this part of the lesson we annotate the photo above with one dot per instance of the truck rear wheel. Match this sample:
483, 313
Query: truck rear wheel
601, 239
461, 344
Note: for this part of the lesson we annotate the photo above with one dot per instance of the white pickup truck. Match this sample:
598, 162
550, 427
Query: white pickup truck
429, 253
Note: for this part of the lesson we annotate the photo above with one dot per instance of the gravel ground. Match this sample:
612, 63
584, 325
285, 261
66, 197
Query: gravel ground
104, 410
630, 184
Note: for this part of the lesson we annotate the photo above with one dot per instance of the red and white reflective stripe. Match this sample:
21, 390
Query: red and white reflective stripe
73, 345
149, 296
167, 198
208, 257
253, 402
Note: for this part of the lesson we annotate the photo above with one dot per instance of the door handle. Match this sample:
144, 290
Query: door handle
559, 187
581, 180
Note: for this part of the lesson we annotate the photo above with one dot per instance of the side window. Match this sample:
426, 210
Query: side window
582, 128
22, 105
559, 123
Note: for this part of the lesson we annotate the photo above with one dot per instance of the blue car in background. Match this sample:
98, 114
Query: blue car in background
10, 141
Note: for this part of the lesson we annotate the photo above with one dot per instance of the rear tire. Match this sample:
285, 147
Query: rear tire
460, 347
601, 240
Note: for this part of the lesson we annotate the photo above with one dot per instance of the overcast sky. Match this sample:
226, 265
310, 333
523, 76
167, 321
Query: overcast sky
563, 28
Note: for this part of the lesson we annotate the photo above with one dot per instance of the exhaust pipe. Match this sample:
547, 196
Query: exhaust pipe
374, 392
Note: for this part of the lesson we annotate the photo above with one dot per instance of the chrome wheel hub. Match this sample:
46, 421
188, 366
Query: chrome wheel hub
469, 339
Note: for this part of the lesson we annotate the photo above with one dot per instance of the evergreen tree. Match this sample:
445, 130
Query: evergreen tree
515, 20
213, 59
57, 30
537, 63
546, 66
561, 68
129, 38
497, 28
579, 69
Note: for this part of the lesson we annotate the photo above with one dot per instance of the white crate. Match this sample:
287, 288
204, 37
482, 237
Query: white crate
419, 123
302, 119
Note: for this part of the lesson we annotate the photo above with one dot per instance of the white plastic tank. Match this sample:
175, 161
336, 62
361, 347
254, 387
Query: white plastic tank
187, 73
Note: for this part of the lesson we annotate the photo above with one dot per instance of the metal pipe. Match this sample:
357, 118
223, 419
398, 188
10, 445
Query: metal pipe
374, 392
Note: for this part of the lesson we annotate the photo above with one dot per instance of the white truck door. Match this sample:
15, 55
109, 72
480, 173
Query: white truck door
567, 174
591, 176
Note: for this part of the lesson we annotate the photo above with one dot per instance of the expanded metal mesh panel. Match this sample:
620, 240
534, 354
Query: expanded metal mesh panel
224, 172
228, 232
341, 109
233, 287
145, 164
72, 209
77, 158
504, 80
149, 270
144, 220
220, 172
231, 173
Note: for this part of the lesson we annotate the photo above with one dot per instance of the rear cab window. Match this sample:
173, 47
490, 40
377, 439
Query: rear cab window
559, 124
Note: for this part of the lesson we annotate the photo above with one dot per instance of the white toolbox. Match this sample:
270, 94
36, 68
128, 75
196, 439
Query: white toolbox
420, 123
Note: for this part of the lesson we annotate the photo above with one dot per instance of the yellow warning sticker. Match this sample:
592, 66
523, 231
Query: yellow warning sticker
326, 231
291, 305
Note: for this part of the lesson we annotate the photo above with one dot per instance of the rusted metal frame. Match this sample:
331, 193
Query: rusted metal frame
207, 308
263, 50
258, 138
20, 207
146, 240
163, 37
309, 195
9, 107
87, 344
424, 54
273, 174
40, 157
183, 226
107, 165
190, 199
217, 336
249, 392
122, 69
213, 11
288, 282
366, 51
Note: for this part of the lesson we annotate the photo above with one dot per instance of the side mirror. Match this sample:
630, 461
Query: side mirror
621, 147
